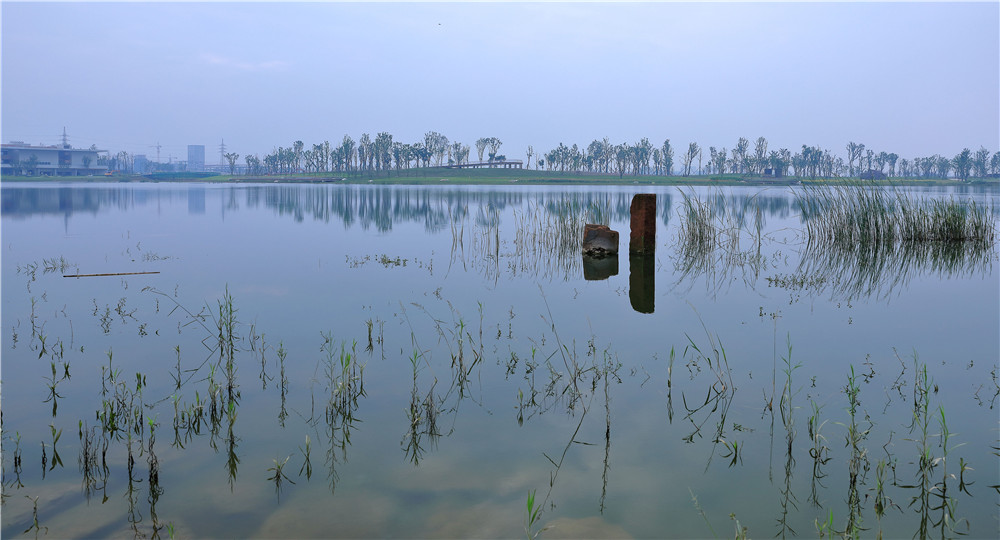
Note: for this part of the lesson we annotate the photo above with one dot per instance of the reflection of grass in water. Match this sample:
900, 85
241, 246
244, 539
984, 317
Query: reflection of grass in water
854, 269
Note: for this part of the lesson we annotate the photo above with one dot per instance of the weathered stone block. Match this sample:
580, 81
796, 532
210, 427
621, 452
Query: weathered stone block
599, 240
643, 224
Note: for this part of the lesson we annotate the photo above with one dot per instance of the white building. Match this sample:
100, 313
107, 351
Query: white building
19, 158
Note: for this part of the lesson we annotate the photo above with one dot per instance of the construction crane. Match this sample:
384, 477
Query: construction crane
157, 146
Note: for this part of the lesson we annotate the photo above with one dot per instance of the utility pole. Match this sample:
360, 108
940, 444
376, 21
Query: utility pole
222, 152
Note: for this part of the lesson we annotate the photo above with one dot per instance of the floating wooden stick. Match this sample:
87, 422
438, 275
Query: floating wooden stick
115, 274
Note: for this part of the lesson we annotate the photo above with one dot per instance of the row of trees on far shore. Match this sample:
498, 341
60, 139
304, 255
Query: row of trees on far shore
383, 155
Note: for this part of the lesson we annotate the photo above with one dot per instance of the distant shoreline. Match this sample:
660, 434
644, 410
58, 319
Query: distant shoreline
436, 176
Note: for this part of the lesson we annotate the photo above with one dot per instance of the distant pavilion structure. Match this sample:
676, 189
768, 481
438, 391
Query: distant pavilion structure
495, 164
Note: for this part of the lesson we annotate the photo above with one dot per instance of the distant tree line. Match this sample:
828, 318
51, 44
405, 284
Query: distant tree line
367, 155
600, 156
381, 154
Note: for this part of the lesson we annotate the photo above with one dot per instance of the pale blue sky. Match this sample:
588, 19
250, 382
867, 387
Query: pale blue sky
910, 78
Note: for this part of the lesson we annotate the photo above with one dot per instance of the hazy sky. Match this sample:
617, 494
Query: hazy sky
910, 78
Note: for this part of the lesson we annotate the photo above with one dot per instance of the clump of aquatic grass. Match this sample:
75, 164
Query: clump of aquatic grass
869, 242
532, 517
422, 416
278, 474
819, 452
720, 393
154, 471
345, 386
225, 324
56, 460
945, 221
34, 518
931, 496
873, 216
698, 229
282, 354
548, 237
858, 464
710, 235
788, 500
56, 265
345, 378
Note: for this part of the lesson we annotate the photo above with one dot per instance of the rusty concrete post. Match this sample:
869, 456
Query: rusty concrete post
643, 223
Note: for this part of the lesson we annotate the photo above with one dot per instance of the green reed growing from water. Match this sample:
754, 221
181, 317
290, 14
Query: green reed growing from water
868, 241
874, 216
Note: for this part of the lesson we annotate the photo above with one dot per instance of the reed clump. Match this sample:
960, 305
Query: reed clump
711, 239
550, 235
870, 241
872, 216
698, 230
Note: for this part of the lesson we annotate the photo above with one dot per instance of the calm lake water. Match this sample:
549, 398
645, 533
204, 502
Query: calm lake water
414, 361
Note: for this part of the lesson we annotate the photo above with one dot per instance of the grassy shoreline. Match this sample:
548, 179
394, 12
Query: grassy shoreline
441, 176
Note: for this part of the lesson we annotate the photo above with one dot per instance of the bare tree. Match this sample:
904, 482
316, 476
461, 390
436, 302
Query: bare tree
962, 164
717, 159
854, 151
231, 157
692, 152
980, 161
668, 158
760, 155
297, 147
494, 145
740, 154
481, 144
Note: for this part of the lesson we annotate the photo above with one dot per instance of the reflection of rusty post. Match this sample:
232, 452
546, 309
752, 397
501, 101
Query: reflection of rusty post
643, 224
642, 282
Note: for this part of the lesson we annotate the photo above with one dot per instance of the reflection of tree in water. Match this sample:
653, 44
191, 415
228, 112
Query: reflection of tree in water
372, 205
380, 207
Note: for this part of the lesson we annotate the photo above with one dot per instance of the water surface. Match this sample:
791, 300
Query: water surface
665, 397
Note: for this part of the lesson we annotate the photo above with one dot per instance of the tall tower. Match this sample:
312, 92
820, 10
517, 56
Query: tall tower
222, 153
196, 157
65, 139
